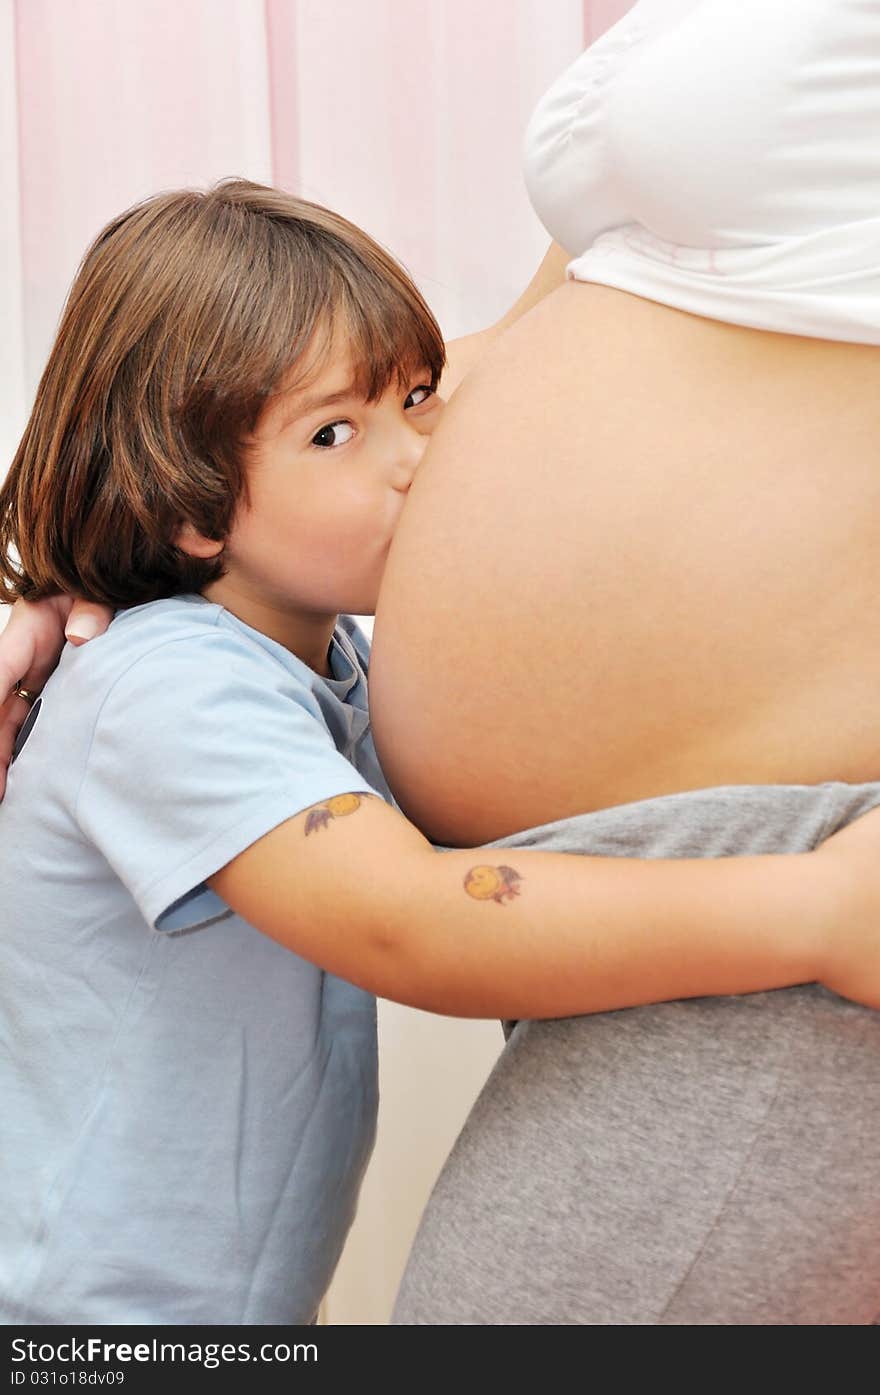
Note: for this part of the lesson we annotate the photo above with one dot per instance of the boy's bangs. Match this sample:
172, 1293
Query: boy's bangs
384, 328
390, 334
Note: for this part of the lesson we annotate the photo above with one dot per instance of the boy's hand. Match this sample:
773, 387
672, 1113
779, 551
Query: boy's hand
850, 953
30, 647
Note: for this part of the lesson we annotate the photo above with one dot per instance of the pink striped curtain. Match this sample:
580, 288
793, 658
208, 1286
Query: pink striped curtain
406, 115
599, 15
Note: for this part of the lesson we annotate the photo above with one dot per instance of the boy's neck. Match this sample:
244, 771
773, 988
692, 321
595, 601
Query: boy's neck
306, 636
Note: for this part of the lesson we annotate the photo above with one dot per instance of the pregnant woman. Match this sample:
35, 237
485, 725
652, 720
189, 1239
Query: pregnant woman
645, 545
637, 577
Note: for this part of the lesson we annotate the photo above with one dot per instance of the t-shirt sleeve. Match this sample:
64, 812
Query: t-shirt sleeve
201, 747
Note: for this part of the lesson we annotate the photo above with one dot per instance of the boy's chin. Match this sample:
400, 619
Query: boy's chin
363, 603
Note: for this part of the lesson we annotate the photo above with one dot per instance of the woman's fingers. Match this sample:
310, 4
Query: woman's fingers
16, 663
29, 649
86, 620
13, 711
16, 653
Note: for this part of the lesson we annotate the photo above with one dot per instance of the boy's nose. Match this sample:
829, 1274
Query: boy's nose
410, 456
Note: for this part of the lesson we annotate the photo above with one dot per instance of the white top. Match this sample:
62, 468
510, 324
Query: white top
723, 157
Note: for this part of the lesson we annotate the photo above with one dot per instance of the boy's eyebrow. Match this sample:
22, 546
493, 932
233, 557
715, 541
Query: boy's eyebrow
302, 406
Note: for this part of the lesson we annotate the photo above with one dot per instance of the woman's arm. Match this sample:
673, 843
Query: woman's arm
352, 886
463, 353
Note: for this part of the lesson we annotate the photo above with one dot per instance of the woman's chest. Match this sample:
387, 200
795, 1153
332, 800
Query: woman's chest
716, 124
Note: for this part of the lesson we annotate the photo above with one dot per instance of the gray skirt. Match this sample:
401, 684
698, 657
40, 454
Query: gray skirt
710, 1161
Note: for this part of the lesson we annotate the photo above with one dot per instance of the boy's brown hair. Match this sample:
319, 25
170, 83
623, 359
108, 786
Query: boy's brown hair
187, 312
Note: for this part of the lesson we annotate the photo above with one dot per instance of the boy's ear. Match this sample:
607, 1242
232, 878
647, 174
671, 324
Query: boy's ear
195, 544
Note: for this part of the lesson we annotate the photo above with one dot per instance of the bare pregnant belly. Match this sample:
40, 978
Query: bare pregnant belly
642, 555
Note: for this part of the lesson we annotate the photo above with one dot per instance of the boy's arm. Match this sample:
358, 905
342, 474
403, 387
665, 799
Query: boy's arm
352, 886
463, 353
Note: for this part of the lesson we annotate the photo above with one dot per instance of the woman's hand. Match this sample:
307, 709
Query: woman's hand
850, 959
30, 648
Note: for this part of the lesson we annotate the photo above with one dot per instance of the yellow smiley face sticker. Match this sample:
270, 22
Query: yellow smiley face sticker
342, 804
487, 883
335, 808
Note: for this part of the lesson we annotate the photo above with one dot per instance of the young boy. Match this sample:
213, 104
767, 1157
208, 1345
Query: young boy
202, 879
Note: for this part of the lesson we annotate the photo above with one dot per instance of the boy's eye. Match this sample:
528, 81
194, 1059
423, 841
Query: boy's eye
336, 434
419, 395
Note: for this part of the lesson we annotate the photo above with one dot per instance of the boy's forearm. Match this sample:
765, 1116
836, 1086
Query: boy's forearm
492, 932
553, 935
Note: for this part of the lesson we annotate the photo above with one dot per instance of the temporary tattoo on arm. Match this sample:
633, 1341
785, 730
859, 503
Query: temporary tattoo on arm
336, 808
492, 884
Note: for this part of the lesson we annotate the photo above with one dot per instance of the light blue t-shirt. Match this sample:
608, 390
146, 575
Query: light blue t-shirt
187, 1108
